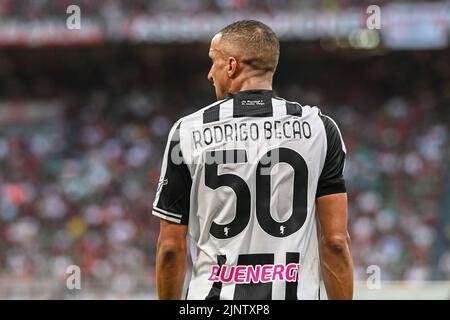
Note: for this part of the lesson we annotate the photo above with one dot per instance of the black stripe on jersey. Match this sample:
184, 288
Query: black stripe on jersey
254, 291
331, 179
291, 287
211, 114
214, 293
293, 109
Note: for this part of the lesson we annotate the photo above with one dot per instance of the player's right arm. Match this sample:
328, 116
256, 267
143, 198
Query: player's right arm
171, 260
331, 204
172, 205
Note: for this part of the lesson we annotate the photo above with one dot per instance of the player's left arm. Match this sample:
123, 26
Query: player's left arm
331, 201
171, 260
335, 246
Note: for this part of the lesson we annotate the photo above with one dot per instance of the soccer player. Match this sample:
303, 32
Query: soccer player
257, 183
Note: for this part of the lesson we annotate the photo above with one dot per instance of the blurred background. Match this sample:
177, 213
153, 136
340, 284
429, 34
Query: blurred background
85, 113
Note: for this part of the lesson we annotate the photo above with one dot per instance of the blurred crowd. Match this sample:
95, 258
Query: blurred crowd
32, 9
393, 112
79, 189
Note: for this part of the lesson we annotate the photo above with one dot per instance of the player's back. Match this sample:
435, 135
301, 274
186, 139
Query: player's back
251, 167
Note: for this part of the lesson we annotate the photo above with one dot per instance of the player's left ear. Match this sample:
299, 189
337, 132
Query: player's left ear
232, 67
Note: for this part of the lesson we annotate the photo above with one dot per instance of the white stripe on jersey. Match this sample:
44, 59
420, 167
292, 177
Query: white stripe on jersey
165, 217
226, 109
176, 215
279, 107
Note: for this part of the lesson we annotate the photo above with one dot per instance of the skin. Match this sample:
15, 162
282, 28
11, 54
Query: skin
335, 246
229, 75
171, 260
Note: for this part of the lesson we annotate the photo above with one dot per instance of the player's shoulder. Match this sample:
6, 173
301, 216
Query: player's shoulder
331, 129
307, 111
298, 108
327, 120
198, 116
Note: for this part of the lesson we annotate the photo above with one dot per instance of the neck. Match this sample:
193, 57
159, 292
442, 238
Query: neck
253, 83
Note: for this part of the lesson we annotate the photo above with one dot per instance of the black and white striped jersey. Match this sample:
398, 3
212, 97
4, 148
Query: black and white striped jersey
243, 174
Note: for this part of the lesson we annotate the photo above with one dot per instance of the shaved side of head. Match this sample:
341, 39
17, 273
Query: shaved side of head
253, 43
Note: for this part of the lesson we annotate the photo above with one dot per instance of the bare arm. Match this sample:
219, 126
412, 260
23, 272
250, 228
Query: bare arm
335, 246
171, 260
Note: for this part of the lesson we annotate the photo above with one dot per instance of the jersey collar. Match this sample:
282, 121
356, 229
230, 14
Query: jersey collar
256, 92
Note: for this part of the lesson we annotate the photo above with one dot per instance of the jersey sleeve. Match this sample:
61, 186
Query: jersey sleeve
331, 179
172, 200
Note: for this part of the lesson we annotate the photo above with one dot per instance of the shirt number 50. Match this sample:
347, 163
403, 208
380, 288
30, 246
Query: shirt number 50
263, 191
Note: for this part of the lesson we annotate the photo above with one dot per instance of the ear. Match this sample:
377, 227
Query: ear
232, 67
